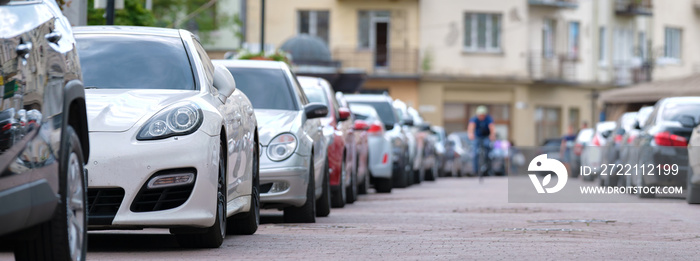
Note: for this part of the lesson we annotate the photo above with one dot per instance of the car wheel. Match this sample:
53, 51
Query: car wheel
432, 173
247, 223
351, 191
323, 204
400, 179
382, 185
307, 212
364, 185
693, 196
64, 237
339, 195
213, 236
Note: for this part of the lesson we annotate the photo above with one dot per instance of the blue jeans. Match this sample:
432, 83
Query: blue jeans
483, 143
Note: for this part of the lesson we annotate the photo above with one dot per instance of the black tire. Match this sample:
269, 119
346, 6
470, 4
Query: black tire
399, 176
338, 193
693, 196
382, 185
433, 172
247, 223
307, 212
213, 236
352, 191
53, 241
323, 204
364, 185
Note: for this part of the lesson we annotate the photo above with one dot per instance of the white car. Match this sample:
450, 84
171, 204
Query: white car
294, 166
173, 143
380, 146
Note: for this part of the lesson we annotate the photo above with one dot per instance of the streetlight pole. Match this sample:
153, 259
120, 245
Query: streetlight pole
109, 12
262, 27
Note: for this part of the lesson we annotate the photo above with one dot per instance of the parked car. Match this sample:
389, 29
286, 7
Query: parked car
693, 179
361, 167
583, 137
414, 159
393, 132
629, 152
664, 140
43, 182
459, 155
425, 149
379, 146
174, 128
294, 169
592, 152
341, 142
614, 143
440, 149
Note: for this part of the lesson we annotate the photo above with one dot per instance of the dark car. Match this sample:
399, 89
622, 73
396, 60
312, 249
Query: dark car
663, 142
43, 182
611, 150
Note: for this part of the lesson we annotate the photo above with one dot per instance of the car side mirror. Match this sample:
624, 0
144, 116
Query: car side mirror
687, 121
425, 127
361, 125
408, 122
315, 110
344, 114
224, 82
636, 125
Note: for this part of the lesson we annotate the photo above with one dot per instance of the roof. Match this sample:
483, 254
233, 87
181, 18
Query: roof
654, 91
105, 29
251, 64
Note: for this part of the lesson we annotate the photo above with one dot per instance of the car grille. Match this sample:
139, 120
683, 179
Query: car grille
156, 199
264, 188
103, 204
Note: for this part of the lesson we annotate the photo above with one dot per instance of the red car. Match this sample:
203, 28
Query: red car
340, 140
361, 149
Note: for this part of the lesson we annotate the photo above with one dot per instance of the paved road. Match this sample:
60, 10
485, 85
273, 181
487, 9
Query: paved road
453, 218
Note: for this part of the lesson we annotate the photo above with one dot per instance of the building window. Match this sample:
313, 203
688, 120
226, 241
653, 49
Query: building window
574, 40
672, 43
641, 46
548, 123
575, 118
482, 32
548, 38
314, 23
367, 23
602, 46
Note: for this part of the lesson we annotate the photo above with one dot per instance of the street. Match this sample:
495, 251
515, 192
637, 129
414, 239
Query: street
453, 218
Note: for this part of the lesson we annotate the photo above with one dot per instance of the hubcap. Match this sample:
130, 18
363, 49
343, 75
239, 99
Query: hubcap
75, 199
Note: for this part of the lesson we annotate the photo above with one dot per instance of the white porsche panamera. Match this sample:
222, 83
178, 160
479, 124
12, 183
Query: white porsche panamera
174, 144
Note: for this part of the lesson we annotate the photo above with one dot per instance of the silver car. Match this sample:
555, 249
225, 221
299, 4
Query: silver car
293, 170
379, 146
414, 158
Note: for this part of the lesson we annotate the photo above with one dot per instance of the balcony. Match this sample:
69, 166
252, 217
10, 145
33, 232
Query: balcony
626, 74
394, 62
554, 3
552, 69
633, 7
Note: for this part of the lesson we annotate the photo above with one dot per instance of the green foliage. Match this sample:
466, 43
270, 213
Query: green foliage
134, 13
279, 55
205, 17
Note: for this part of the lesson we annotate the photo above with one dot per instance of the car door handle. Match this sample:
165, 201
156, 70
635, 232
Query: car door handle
53, 37
23, 50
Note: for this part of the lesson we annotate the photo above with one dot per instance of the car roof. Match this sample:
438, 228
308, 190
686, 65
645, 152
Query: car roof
368, 97
251, 64
119, 29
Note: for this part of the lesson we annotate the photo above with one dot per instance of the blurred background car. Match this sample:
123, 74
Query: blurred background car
663, 141
341, 143
583, 137
43, 200
361, 158
693, 179
592, 152
613, 145
393, 131
294, 172
379, 146
458, 155
440, 149
407, 124
629, 151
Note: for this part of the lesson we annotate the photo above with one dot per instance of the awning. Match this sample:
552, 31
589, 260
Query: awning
653, 91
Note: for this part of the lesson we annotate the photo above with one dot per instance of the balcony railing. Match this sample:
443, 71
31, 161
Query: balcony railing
626, 74
552, 68
554, 3
394, 62
633, 7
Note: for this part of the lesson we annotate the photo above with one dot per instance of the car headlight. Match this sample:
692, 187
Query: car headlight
281, 147
176, 120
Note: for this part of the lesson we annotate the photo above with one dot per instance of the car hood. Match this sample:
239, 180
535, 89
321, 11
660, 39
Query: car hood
116, 110
273, 122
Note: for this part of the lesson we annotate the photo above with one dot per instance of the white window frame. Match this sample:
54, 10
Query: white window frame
489, 33
549, 38
602, 46
673, 45
313, 22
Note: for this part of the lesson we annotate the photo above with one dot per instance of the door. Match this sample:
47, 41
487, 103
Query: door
381, 43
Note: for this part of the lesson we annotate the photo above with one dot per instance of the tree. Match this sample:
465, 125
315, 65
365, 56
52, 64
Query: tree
201, 16
133, 13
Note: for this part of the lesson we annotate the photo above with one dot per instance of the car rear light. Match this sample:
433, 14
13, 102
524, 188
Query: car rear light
578, 148
596, 141
385, 158
667, 139
630, 139
618, 138
7, 127
361, 125
376, 128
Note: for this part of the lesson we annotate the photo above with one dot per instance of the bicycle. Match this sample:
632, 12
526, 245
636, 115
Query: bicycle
484, 159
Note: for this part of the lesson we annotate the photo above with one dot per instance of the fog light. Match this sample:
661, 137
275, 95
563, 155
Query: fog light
279, 186
171, 180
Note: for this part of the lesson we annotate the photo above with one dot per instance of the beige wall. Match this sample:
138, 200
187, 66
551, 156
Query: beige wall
683, 14
442, 39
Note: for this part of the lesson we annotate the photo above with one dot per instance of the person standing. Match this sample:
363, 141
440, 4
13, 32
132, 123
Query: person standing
481, 132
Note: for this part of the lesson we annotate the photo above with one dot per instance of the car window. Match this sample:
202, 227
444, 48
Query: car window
297, 87
384, 109
122, 61
266, 88
315, 94
206, 62
673, 111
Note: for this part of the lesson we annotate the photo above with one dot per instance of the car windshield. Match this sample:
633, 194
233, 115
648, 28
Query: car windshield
384, 109
122, 61
674, 111
316, 94
266, 88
